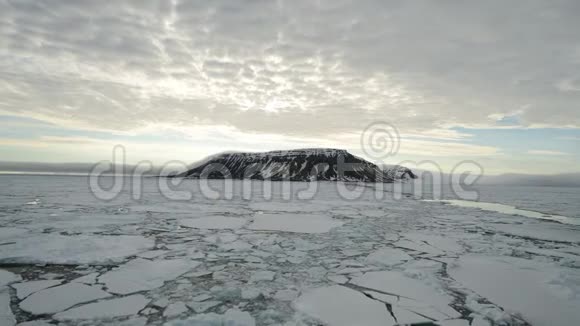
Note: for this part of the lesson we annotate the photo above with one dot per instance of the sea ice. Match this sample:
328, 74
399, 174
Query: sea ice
126, 306
395, 283
175, 309
27, 288
141, 274
78, 249
204, 306
523, 286
7, 233
6, 316
388, 257
59, 298
214, 222
262, 276
7, 277
299, 223
340, 306
232, 317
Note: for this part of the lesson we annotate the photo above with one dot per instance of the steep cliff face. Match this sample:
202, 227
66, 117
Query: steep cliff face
296, 165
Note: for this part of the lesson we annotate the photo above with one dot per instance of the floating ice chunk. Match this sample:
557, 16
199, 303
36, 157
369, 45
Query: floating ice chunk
524, 286
250, 293
298, 223
236, 246
340, 279
27, 288
287, 207
262, 276
340, 306
175, 309
406, 317
446, 244
7, 277
59, 298
204, 306
126, 306
286, 295
161, 302
419, 246
395, 283
480, 321
79, 249
141, 274
139, 321
388, 257
232, 317
6, 315
214, 222
201, 297
87, 279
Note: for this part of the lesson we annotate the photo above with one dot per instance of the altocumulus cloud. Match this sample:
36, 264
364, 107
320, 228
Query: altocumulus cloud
323, 67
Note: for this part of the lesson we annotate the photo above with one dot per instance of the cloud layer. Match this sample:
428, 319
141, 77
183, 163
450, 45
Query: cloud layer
296, 68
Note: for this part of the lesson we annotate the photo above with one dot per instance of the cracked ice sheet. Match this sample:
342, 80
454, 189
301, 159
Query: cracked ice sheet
59, 298
78, 249
388, 257
552, 294
341, 306
214, 222
297, 223
397, 284
126, 306
140, 274
27, 288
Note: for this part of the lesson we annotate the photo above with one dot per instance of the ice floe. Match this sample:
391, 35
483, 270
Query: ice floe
340, 306
388, 257
7, 277
77, 249
214, 222
399, 285
300, 223
6, 316
126, 306
59, 298
232, 317
141, 274
27, 288
527, 287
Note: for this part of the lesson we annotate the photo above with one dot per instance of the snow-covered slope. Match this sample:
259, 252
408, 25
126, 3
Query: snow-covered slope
296, 165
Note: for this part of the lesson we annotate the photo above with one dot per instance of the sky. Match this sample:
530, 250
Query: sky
494, 82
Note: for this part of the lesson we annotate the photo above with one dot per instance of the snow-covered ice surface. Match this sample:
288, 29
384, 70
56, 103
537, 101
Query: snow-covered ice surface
68, 258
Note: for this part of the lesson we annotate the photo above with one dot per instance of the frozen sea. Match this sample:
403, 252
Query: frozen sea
258, 253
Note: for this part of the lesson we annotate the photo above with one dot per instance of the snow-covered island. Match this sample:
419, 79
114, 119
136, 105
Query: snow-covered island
312, 164
69, 259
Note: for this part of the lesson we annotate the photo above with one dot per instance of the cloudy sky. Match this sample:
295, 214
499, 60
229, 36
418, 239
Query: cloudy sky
492, 81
